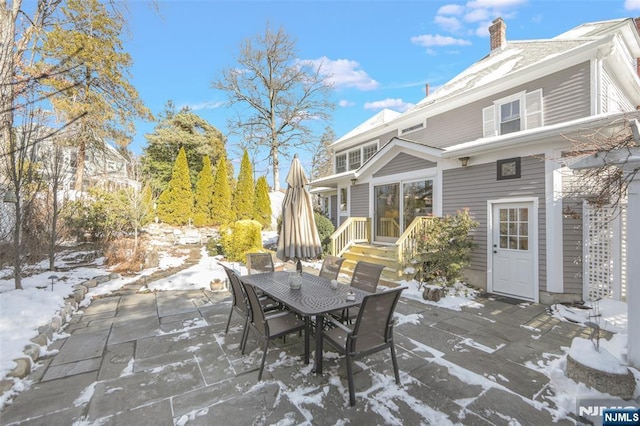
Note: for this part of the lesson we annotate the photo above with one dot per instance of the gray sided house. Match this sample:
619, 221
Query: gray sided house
495, 140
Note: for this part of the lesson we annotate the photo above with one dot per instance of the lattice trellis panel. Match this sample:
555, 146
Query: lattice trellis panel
604, 231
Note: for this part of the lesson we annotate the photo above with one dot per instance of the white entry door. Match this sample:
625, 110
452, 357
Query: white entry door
512, 250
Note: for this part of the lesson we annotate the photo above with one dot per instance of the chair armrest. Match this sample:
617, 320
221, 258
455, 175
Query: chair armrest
276, 314
338, 324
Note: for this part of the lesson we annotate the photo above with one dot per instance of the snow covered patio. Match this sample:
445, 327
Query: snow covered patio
163, 358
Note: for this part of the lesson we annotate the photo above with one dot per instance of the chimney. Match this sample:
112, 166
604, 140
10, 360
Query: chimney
637, 22
426, 89
498, 34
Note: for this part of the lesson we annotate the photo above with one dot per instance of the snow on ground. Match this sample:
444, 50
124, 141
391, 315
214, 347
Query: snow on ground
23, 312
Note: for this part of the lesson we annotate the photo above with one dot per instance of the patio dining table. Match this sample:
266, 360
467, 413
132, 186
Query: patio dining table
314, 298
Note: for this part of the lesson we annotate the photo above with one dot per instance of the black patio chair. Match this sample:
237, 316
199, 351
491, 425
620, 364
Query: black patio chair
365, 277
269, 327
241, 304
372, 332
259, 262
331, 267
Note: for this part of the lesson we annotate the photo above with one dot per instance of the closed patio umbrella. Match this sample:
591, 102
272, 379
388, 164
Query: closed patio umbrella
298, 237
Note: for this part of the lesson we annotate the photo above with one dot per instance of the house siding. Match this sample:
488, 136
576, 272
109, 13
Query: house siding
566, 96
613, 98
334, 210
572, 246
404, 163
471, 187
360, 200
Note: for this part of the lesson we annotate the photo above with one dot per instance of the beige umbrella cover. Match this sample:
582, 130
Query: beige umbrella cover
298, 235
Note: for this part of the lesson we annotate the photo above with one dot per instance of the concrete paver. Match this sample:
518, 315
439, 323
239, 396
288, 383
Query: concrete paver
163, 358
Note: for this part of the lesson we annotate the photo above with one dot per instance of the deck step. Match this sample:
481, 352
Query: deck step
380, 254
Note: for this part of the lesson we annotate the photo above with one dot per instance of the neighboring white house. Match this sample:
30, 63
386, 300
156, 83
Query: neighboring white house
492, 140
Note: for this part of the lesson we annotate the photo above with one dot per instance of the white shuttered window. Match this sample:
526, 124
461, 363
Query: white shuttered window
514, 113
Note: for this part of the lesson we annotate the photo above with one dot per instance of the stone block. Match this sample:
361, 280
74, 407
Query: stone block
32, 351
46, 331
56, 323
22, 368
40, 339
114, 276
620, 385
79, 292
101, 279
90, 283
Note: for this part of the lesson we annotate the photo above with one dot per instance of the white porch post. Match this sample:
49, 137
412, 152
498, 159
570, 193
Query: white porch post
633, 271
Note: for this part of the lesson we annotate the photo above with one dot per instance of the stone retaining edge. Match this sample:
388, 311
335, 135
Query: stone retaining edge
32, 351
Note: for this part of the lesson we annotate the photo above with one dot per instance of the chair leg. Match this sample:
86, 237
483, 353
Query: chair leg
245, 335
395, 363
226, 330
352, 392
264, 358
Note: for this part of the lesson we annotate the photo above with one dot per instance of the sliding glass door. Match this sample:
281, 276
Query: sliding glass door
387, 212
391, 217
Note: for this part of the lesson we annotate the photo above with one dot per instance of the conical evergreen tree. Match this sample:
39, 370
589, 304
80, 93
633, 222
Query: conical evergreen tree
221, 200
176, 202
202, 215
262, 203
243, 195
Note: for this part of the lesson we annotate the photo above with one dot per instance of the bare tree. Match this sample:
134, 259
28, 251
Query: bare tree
54, 171
606, 185
19, 163
278, 96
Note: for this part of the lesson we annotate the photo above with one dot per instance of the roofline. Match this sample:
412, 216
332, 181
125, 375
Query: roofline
484, 145
546, 66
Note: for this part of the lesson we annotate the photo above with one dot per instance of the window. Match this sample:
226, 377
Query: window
343, 199
341, 163
354, 159
368, 151
514, 229
514, 113
510, 117
418, 200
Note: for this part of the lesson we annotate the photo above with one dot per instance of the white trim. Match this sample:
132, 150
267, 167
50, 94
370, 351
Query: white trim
554, 231
533, 241
596, 85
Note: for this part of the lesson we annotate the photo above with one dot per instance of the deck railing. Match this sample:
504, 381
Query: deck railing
408, 242
352, 231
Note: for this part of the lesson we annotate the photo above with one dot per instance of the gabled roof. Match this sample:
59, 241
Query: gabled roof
516, 55
383, 117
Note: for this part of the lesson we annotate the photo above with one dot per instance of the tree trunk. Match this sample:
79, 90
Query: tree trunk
17, 267
7, 30
82, 152
276, 170
54, 222
7, 94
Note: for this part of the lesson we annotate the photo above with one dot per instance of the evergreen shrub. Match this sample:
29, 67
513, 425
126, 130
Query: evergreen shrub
325, 229
240, 238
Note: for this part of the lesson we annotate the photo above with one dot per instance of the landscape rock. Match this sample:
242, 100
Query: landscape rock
620, 385
22, 369
32, 351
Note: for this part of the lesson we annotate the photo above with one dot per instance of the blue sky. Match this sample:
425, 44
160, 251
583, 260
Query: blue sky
381, 54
